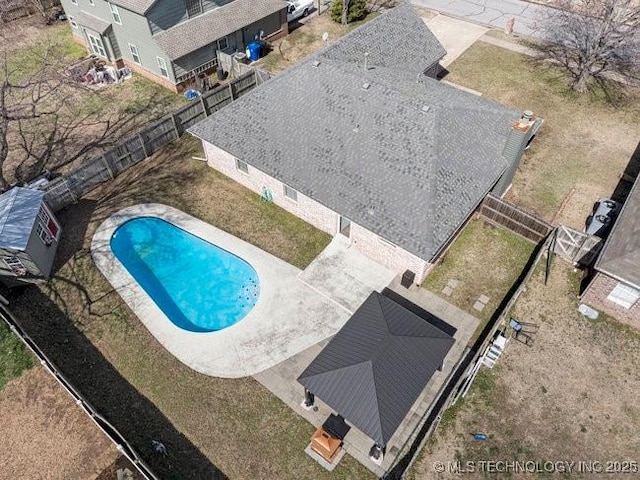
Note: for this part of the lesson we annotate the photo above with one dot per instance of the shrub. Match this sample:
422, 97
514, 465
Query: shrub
357, 10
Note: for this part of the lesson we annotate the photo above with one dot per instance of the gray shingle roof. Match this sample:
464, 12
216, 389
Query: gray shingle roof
620, 256
18, 212
375, 367
396, 39
137, 6
376, 156
94, 23
200, 31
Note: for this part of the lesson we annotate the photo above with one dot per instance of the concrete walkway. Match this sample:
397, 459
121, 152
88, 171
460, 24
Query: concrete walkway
281, 380
454, 35
492, 13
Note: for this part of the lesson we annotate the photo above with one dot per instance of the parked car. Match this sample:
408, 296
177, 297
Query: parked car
298, 8
601, 220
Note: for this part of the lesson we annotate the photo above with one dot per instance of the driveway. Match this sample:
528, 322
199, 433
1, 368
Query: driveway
493, 13
454, 35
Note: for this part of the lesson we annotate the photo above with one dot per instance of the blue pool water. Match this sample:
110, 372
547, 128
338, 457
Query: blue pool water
199, 286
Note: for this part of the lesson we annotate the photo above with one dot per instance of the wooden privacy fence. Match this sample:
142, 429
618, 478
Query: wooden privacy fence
68, 188
578, 247
514, 218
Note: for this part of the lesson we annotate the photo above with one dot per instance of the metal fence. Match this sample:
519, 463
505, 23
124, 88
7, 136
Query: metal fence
109, 430
68, 188
514, 218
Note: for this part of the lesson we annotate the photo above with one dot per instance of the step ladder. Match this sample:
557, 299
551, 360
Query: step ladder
493, 352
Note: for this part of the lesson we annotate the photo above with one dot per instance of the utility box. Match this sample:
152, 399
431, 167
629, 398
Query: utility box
408, 277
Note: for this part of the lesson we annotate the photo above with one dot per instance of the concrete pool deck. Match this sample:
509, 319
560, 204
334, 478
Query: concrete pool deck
289, 316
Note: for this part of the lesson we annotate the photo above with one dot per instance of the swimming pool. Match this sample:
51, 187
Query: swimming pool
199, 286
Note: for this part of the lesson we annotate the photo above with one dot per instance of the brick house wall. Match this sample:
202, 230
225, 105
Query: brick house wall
321, 217
596, 296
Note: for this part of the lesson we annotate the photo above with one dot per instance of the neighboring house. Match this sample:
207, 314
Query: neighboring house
615, 288
29, 235
358, 141
171, 41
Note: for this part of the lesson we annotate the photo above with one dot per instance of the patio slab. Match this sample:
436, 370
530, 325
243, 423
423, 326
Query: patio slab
344, 275
281, 380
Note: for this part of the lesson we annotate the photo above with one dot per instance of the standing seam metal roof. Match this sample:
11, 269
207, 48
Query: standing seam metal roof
377, 365
18, 212
408, 158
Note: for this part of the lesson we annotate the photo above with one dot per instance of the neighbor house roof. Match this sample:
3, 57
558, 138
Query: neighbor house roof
18, 212
404, 156
377, 365
200, 31
137, 6
94, 23
620, 256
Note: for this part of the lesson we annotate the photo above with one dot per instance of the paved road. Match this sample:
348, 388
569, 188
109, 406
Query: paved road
494, 13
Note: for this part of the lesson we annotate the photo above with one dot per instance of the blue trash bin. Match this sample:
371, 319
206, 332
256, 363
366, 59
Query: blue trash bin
253, 51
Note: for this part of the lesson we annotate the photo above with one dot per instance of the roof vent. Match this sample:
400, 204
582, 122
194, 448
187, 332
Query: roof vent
365, 86
316, 63
527, 115
356, 129
426, 108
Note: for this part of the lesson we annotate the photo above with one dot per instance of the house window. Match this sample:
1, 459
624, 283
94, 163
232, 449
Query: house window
290, 193
624, 295
15, 265
223, 43
96, 45
194, 7
162, 65
115, 13
242, 166
134, 54
74, 24
48, 226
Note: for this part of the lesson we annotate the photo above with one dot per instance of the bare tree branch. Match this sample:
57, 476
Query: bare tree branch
593, 39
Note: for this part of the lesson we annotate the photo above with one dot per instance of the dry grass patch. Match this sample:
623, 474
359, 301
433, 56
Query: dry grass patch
213, 428
305, 40
585, 143
45, 435
570, 397
486, 260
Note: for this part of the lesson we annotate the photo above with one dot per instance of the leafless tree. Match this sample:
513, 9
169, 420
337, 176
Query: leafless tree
48, 121
594, 39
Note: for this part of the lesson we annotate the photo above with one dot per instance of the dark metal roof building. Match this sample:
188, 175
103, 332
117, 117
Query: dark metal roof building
377, 365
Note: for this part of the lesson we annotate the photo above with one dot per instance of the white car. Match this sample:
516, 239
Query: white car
298, 8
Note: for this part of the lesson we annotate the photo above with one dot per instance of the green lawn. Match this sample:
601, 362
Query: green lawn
486, 260
14, 356
583, 146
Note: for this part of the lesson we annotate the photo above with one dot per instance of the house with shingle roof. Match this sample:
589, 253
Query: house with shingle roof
615, 287
172, 41
359, 140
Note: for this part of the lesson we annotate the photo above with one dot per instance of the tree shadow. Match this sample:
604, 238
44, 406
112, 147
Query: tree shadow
75, 221
129, 411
